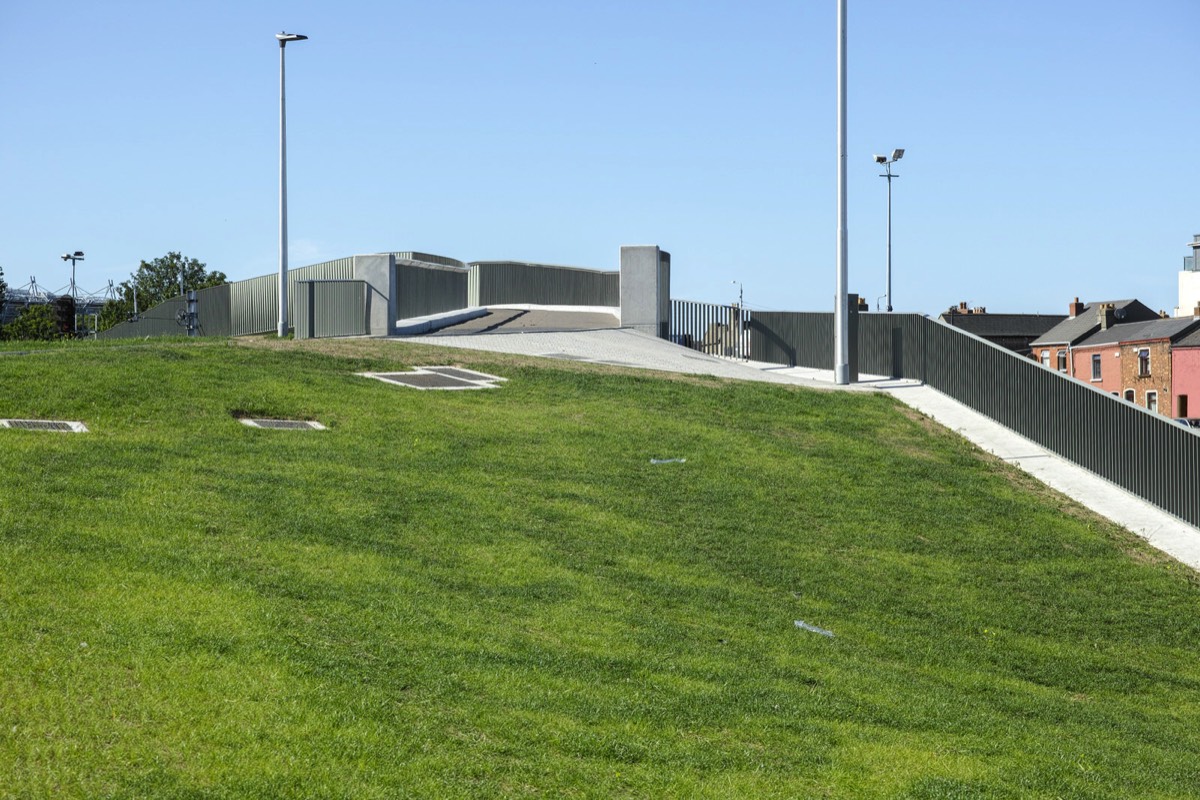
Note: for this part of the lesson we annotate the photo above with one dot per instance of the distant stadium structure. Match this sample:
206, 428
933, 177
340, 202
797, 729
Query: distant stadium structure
80, 309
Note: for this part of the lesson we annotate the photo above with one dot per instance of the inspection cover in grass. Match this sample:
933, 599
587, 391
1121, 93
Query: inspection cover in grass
444, 378
44, 425
283, 424
464, 374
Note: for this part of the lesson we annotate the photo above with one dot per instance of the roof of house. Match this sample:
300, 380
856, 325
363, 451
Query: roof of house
1190, 340
1142, 331
1003, 324
1073, 329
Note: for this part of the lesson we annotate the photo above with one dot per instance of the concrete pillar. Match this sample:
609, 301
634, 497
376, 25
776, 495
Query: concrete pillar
646, 289
379, 273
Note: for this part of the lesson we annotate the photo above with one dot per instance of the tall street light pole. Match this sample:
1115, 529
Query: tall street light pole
841, 309
73, 257
283, 38
887, 165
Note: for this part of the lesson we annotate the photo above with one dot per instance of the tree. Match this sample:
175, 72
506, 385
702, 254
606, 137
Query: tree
156, 281
42, 321
3, 288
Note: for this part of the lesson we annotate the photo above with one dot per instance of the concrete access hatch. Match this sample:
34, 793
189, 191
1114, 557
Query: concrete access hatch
443, 378
60, 426
283, 424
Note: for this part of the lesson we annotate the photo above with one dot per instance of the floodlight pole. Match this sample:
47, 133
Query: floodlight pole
283, 38
73, 257
887, 165
889, 236
841, 310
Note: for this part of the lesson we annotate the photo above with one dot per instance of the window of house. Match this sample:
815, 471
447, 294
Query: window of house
1131, 395
1095, 366
1182, 406
1062, 360
1152, 401
1144, 362
1045, 358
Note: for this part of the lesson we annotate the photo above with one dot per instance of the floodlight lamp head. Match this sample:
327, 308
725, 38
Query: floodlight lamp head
284, 38
880, 159
898, 154
79, 254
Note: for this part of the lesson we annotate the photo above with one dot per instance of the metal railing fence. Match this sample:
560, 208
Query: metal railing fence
1147, 454
720, 330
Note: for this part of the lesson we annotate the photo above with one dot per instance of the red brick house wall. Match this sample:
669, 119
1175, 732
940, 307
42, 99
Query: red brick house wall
1159, 379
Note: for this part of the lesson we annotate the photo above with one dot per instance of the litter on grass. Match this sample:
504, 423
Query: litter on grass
668, 460
805, 626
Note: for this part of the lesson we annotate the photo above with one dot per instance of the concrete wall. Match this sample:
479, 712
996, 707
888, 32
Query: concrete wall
646, 289
1189, 293
379, 273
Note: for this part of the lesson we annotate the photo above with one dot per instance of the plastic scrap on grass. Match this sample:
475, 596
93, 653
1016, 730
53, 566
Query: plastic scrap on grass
809, 627
668, 461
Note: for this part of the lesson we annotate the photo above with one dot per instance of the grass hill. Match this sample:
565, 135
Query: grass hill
497, 594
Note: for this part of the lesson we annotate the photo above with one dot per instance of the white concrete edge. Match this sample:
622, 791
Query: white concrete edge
414, 326
613, 310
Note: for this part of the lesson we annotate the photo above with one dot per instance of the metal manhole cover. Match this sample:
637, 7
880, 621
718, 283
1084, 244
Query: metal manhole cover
464, 374
44, 425
284, 424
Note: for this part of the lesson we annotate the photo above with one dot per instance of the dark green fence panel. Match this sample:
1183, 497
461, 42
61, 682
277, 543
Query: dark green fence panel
212, 311
424, 289
798, 339
511, 282
330, 308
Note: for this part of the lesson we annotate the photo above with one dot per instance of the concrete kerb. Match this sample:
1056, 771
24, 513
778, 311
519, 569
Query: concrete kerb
415, 326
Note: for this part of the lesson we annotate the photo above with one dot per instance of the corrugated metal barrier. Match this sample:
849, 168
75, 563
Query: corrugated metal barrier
254, 305
165, 319
501, 282
425, 289
1147, 454
330, 308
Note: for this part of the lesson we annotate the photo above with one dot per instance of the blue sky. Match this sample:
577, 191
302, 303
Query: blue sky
1052, 147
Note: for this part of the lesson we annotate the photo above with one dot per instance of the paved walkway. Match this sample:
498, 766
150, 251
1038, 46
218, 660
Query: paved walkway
629, 348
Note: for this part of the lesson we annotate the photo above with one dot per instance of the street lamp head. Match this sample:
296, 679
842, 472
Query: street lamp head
284, 38
76, 256
898, 154
880, 159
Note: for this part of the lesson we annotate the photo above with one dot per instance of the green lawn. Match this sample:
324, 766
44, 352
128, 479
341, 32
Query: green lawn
495, 593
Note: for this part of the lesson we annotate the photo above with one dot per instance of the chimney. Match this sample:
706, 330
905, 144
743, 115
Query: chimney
979, 310
1196, 312
962, 307
1075, 308
1106, 315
